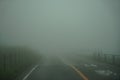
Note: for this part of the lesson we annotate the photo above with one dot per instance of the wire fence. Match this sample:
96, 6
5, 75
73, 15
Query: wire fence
13, 61
108, 58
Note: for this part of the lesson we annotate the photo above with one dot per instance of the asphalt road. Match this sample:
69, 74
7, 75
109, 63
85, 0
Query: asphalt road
71, 68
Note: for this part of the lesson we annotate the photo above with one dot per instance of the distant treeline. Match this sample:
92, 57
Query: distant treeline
15, 60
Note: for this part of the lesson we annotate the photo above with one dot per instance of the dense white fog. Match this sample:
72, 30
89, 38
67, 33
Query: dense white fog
61, 26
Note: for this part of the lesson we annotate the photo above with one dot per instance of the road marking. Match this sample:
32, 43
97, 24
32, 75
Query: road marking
79, 72
30, 72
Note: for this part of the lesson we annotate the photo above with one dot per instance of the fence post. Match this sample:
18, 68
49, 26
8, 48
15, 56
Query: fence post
99, 57
94, 55
113, 59
105, 57
4, 63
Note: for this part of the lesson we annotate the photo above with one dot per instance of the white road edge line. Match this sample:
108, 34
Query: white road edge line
30, 72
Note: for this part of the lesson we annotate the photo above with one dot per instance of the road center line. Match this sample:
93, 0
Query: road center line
79, 72
30, 72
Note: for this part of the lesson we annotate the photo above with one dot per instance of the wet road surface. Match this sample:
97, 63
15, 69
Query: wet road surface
71, 68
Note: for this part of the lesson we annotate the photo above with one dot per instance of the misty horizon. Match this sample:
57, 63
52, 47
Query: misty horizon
60, 26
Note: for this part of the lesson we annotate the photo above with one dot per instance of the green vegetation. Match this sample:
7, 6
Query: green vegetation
15, 60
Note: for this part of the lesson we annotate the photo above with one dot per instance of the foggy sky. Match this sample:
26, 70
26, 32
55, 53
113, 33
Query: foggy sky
60, 25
